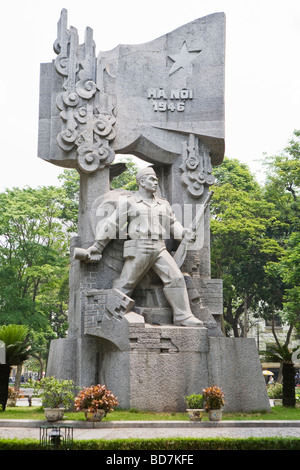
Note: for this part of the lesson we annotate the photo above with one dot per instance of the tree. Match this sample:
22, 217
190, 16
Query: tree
255, 239
70, 204
289, 269
240, 243
18, 348
283, 170
126, 179
34, 258
282, 187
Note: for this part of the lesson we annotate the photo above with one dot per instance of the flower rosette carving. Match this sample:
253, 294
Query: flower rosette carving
62, 64
195, 176
85, 87
87, 122
103, 127
192, 162
100, 154
66, 139
65, 100
210, 180
96, 157
81, 115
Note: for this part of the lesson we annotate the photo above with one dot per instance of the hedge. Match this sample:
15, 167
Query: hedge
187, 444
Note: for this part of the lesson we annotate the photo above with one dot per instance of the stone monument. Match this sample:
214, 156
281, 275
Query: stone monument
144, 313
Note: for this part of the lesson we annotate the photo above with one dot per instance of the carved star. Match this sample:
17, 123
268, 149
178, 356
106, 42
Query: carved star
183, 59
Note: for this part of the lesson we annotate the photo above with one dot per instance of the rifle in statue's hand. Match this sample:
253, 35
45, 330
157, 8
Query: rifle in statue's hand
190, 234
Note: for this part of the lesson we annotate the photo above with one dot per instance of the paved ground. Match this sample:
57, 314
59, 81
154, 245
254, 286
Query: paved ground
144, 430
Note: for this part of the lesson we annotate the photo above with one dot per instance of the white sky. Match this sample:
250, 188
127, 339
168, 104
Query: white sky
262, 69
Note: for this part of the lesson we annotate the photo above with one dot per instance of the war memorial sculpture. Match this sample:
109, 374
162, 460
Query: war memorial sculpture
144, 312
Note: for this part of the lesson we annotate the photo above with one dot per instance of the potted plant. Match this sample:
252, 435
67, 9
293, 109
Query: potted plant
275, 393
56, 395
13, 395
95, 401
195, 407
214, 402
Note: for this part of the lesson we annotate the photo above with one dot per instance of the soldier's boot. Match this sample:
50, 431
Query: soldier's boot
179, 301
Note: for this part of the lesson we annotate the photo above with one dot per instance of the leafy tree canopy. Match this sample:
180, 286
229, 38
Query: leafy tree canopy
33, 254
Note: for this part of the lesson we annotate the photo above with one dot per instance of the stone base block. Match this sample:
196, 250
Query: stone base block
74, 359
153, 367
61, 363
234, 365
162, 365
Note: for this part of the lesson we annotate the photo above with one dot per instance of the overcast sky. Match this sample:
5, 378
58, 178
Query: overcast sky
262, 88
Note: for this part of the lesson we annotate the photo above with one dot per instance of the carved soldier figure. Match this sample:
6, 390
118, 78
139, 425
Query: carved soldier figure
149, 220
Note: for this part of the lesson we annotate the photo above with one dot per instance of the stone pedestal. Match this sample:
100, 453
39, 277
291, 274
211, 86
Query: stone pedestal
154, 367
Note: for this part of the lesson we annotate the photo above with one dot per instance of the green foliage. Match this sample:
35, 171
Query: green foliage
192, 444
194, 401
126, 180
280, 353
282, 188
236, 174
283, 171
241, 245
284, 355
288, 269
166, 444
33, 256
275, 390
70, 205
35, 228
214, 398
94, 398
55, 393
18, 346
19, 444
255, 238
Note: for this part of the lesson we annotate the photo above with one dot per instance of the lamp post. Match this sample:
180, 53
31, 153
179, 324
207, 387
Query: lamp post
56, 437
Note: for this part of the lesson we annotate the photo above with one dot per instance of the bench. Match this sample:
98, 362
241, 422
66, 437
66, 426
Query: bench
28, 396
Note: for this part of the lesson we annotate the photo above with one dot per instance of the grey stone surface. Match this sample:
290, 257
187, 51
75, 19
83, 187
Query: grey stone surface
162, 101
166, 352
140, 99
234, 365
61, 358
149, 220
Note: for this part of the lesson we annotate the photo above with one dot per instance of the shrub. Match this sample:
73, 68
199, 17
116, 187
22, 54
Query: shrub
165, 444
194, 401
214, 398
55, 393
14, 393
275, 391
95, 398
